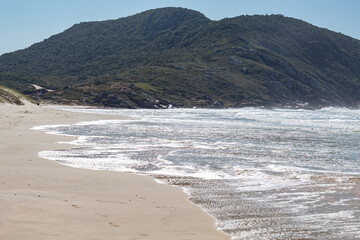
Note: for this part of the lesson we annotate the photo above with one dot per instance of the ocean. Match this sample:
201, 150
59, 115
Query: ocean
262, 173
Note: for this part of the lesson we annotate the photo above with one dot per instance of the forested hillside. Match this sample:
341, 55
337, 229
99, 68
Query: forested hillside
180, 57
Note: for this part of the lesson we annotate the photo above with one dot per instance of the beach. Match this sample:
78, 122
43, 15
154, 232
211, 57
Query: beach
262, 173
41, 199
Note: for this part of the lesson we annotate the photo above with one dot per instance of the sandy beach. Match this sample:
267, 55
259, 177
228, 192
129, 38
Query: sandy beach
41, 199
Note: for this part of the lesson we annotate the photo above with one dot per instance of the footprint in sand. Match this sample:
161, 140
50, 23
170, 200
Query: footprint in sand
102, 215
75, 206
141, 197
114, 224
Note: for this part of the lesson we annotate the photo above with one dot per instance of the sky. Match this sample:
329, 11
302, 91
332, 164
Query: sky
25, 22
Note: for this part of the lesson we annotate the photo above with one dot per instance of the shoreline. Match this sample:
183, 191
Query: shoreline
41, 199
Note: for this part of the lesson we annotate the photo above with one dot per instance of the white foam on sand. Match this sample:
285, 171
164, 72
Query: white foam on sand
114, 163
51, 129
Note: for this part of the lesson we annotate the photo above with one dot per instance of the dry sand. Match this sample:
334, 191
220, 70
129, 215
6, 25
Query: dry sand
40, 199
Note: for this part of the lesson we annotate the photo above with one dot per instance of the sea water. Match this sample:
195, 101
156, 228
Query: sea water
262, 173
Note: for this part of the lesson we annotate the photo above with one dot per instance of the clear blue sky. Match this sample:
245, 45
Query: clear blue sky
24, 22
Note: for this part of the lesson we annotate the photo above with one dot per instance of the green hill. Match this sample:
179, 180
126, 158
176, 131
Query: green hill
178, 56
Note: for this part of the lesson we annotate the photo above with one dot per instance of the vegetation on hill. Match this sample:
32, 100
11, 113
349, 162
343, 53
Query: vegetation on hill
8, 95
178, 56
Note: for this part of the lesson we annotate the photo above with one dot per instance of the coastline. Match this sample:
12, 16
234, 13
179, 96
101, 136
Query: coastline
41, 199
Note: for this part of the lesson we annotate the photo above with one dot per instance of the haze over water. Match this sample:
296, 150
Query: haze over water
264, 174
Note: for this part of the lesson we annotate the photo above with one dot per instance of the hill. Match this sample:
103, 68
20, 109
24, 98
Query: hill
178, 56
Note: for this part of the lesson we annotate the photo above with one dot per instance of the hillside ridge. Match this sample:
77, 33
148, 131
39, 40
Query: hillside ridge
179, 57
